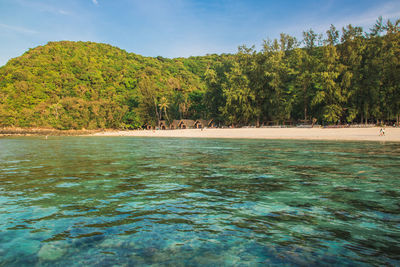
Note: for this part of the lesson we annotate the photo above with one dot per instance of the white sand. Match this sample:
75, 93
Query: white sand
342, 134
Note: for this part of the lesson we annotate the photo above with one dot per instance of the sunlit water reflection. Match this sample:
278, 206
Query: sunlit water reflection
136, 201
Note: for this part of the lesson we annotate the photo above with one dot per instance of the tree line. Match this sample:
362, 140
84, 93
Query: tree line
343, 76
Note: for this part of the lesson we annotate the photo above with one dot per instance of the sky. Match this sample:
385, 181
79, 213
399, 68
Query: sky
177, 28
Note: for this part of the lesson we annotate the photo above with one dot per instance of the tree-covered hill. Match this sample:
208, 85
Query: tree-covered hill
90, 85
344, 76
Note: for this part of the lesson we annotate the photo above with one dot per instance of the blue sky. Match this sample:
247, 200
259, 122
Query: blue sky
173, 28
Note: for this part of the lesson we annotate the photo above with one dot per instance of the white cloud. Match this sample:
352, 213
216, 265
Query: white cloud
63, 12
17, 29
95, 2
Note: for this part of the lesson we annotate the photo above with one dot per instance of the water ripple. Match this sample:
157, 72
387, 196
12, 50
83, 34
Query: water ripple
137, 201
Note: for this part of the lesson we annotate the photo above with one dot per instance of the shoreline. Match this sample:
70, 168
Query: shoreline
334, 134
17, 131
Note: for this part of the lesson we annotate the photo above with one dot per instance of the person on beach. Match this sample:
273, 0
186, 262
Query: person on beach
382, 132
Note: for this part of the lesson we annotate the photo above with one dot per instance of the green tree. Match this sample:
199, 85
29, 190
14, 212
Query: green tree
330, 94
351, 56
278, 87
164, 105
238, 109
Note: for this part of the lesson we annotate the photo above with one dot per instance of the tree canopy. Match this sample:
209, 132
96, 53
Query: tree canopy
346, 75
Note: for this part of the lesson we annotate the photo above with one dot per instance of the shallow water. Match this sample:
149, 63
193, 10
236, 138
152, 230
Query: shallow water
200, 202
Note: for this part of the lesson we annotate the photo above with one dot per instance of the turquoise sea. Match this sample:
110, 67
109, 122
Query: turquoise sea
125, 201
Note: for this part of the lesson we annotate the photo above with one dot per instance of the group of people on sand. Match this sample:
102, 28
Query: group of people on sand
382, 132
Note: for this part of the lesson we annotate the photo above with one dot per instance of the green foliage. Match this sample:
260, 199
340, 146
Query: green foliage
346, 76
75, 85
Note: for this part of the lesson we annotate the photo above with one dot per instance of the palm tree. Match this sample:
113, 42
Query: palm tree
184, 107
164, 105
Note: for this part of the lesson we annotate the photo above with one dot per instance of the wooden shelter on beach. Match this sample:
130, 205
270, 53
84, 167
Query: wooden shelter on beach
199, 124
186, 124
163, 125
148, 126
174, 124
181, 124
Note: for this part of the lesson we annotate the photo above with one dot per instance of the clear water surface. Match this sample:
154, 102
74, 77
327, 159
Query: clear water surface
78, 201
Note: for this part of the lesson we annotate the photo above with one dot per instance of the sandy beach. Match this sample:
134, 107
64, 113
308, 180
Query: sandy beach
339, 134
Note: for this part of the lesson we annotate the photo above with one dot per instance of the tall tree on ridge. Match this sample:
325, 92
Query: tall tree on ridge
238, 108
306, 64
330, 93
391, 69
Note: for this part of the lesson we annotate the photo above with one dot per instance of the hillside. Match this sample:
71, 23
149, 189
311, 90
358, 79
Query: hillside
75, 85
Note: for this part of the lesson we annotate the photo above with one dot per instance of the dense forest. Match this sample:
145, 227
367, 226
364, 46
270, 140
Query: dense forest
346, 76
